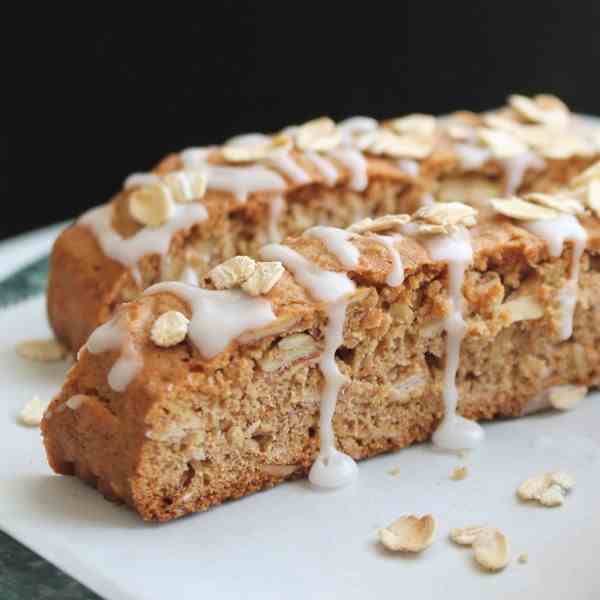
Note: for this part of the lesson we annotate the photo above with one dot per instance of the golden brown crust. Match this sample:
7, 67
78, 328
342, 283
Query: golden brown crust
190, 433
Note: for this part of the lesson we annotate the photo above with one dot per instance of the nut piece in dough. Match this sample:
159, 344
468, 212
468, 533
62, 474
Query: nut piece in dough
151, 205
169, 329
566, 397
264, 277
232, 273
33, 412
491, 550
560, 203
548, 489
49, 350
408, 534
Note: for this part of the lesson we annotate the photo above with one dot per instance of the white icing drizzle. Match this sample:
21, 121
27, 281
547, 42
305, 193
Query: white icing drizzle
149, 240
112, 336
356, 163
140, 179
555, 232
396, 276
471, 157
454, 432
326, 168
276, 209
338, 243
408, 166
243, 181
218, 317
283, 162
516, 167
74, 402
189, 276
332, 468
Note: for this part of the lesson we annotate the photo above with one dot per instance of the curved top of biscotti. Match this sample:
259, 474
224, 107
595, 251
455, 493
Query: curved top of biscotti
251, 168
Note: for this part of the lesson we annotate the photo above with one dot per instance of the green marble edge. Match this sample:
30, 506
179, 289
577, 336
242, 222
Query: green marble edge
23, 574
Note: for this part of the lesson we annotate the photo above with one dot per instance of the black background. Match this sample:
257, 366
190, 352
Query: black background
101, 95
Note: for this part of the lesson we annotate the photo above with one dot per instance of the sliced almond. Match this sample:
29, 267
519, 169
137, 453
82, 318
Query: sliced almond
299, 346
318, 135
256, 151
501, 143
385, 223
232, 273
446, 213
544, 108
49, 350
151, 206
491, 550
515, 208
592, 173
558, 202
419, 124
566, 397
561, 147
522, 308
465, 536
386, 143
32, 413
408, 534
169, 329
264, 278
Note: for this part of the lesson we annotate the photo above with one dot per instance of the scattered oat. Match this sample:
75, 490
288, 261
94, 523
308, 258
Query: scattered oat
548, 489
544, 108
560, 203
264, 277
419, 124
169, 329
318, 135
232, 273
521, 210
49, 350
566, 397
465, 536
32, 413
460, 473
151, 205
258, 150
385, 223
408, 534
523, 558
444, 217
186, 185
491, 550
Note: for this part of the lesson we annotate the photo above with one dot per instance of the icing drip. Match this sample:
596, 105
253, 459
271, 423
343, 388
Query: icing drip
338, 243
356, 163
195, 158
233, 312
516, 167
284, 163
555, 232
454, 432
276, 209
111, 336
149, 240
325, 167
332, 468
396, 275
410, 167
141, 179
242, 181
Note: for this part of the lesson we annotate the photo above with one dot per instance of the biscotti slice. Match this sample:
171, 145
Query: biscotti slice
332, 348
205, 205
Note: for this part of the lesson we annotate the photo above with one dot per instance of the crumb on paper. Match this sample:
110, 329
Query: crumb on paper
460, 473
32, 413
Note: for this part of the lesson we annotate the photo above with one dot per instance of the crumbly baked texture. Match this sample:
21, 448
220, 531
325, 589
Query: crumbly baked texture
406, 159
189, 433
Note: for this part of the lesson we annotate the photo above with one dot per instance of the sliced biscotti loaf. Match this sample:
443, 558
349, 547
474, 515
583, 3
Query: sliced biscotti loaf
205, 205
333, 348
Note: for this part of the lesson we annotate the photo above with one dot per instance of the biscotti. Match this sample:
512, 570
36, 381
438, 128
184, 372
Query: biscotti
335, 347
205, 205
